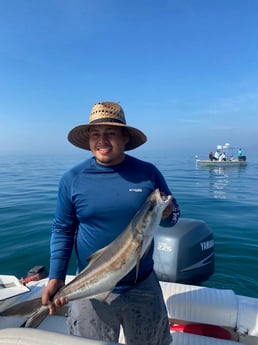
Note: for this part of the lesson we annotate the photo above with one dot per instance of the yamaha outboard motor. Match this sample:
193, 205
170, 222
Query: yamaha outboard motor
184, 253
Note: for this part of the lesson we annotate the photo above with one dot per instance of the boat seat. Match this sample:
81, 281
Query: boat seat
30, 336
247, 321
181, 338
188, 303
201, 305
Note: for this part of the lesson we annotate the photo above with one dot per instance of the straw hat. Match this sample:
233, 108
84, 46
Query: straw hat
106, 113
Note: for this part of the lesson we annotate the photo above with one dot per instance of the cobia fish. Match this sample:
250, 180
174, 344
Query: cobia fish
108, 265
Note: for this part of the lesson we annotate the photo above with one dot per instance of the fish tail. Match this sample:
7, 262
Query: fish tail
37, 317
25, 308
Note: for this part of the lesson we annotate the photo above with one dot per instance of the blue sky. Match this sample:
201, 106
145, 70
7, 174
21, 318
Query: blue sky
185, 71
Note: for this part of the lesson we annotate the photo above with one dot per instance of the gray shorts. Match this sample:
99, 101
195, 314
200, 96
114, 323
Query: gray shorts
141, 312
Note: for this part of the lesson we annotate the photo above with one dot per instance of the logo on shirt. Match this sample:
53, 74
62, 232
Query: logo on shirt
136, 190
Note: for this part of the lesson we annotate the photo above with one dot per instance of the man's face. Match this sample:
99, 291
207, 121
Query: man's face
107, 143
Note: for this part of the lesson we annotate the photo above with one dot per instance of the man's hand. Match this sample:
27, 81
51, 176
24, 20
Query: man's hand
52, 287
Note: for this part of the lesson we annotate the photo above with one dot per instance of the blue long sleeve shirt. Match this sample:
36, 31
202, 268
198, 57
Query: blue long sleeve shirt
95, 204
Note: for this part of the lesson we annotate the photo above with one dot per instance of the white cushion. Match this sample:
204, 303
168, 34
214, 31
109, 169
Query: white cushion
200, 304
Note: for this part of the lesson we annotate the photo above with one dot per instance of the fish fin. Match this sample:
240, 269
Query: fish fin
37, 317
138, 258
94, 257
146, 251
102, 296
22, 309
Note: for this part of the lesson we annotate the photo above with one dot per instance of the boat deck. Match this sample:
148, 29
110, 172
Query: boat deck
231, 314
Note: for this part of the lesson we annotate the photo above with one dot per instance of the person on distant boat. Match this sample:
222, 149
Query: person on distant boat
211, 156
96, 201
216, 155
222, 157
239, 152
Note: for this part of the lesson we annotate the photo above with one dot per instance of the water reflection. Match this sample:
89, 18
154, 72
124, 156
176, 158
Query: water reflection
218, 182
222, 180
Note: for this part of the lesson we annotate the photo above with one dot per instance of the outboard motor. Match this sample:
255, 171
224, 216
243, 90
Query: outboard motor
184, 253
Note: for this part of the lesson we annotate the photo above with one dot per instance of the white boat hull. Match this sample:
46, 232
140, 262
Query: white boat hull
208, 163
186, 305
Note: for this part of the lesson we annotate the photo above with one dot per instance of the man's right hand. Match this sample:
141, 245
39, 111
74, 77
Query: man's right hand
52, 287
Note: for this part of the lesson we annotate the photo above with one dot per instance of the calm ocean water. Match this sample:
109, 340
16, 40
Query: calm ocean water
226, 199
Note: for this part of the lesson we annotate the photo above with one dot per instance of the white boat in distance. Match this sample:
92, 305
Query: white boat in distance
230, 159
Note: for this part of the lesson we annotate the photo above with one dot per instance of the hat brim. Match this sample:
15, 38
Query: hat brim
79, 135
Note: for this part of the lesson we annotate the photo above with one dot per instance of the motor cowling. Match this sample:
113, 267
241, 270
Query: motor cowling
184, 253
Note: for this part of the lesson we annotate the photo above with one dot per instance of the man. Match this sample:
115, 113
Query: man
216, 155
222, 157
96, 201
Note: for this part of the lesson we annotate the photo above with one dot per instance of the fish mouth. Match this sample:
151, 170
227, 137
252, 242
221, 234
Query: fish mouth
162, 198
166, 198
